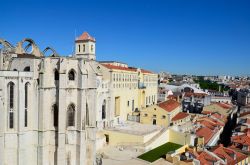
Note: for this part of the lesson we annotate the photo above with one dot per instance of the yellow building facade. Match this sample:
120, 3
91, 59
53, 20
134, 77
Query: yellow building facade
131, 89
160, 114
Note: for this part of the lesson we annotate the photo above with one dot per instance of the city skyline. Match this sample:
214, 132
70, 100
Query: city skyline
202, 38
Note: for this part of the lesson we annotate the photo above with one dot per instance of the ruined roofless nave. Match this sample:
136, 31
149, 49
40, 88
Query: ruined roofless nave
48, 104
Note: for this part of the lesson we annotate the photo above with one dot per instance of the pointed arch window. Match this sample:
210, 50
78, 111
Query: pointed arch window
71, 115
87, 114
55, 115
56, 75
11, 87
26, 69
71, 75
26, 104
104, 109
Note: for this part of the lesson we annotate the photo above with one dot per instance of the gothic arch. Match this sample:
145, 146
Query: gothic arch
5, 43
31, 44
71, 115
54, 53
72, 74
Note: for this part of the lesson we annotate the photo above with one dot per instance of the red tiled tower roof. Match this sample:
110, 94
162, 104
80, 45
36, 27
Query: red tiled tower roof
85, 37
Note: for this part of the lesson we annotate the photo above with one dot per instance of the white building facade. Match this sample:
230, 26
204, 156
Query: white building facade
48, 104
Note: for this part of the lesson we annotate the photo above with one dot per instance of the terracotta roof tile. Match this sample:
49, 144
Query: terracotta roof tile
232, 156
109, 66
145, 71
85, 37
169, 105
189, 94
224, 105
241, 140
179, 116
206, 133
206, 158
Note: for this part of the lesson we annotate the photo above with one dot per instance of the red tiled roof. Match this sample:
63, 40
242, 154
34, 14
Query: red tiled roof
179, 116
206, 133
244, 113
243, 139
189, 94
229, 155
248, 121
145, 71
232, 156
169, 105
220, 117
173, 97
109, 66
206, 158
208, 121
206, 112
224, 105
85, 37
208, 124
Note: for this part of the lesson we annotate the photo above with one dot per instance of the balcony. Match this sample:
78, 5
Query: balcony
141, 86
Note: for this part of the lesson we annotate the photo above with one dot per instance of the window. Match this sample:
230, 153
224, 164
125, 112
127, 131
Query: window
154, 121
145, 115
55, 115
11, 119
83, 47
79, 48
87, 114
71, 75
26, 92
56, 75
163, 117
26, 69
92, 48
71, 115
133, 105
11, 86
104, 109
128, 103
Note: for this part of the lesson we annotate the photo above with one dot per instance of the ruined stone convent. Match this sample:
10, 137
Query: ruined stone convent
48, 104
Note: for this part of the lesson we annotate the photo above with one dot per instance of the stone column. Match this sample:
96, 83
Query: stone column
82, 108
41, 102
1, 124
62, 108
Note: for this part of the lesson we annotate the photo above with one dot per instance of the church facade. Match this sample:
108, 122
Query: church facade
49, 104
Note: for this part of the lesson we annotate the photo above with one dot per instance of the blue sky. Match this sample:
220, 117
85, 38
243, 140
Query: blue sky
208, 37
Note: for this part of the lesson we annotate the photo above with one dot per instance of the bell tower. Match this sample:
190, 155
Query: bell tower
85, 47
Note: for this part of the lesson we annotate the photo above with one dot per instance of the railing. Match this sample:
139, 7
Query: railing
134, 118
